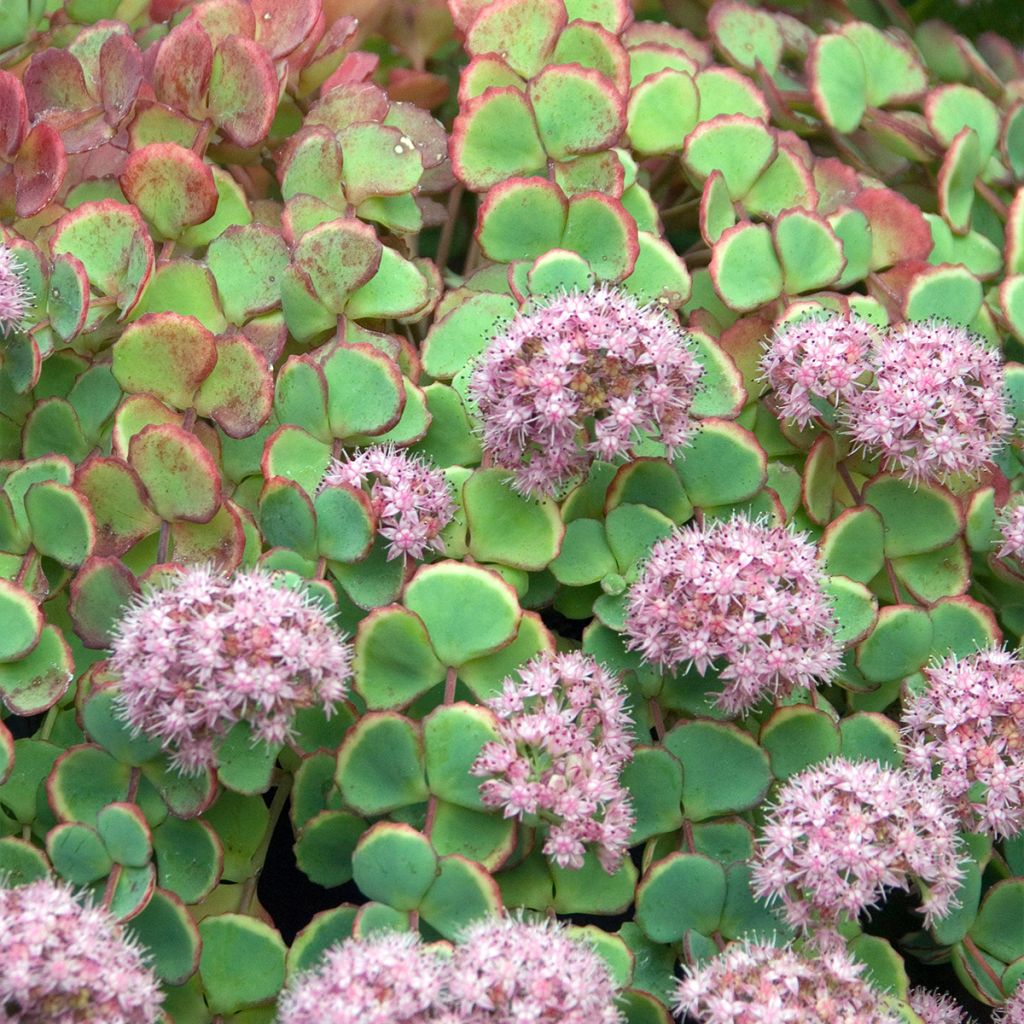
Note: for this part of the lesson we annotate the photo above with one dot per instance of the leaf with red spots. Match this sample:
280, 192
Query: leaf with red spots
171, 186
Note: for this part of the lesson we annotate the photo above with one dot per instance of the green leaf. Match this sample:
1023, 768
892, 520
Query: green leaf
77, 853
485, 675
179, 474
796, 737
585, 556
578, 110
239, 394
898, 646
662, 112
659, 275
324, 847
338, 258
523, 32
244, 764
394, 864
22, 620
478, 836
997, 929
125, 834
521, 219
808, 249
916, 519
870, 736
739, 147
935, 574
855, 607
654, 779
724, 464
83, 781
462, 894
453, 736
591, 890
724, 770
463, 333
380, 764
508, 528
744, 267
327, 928
838, 80
62, 524
345, 523
242, 961
394, 662
748, 37
247, 262
468, 611
189, 858
171, 185
364, 391
852, 544
600, 230
166, 929
683, 891
40, 678
961, 166
951, 293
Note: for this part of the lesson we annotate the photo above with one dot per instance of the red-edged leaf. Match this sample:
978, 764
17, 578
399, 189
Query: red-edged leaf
243, 91
337, 258
120, 76
39, 170
13, 114
118, 502
239, 394
54, 82
171, 185
898, 228
181, 71
282, 24
100, 591
179, 474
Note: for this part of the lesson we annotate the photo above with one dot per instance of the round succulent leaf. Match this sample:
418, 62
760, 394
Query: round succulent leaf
242, 961
631, 530
654, 779
22, 619
658, 275
463, 333
364, 391
113, 244
599, 229
324, 847
344, 523
462, 894
21, 862
854, 234
522, 32
726, 91
36, 682
495, 138
746, 36
166, 929
508, 528
180, 476
743, 914
796, 737
915, 519
394, 662
852, 544
105, 727
245, 764
578, 110
520, 219
585, 556
962, 626
468, 611
133, 889
652, 482
380, 764
997, 929
189, 858
77, 853
591, 890
839, 81
238, 395
300, 396
395, 864
592, 46
243, 92
338, 257
810, 253
314, 790
125, 834
819, 480
724, 770
899, 645
641, 1007
870, 736
248, 263
378, 160
724, 464
744, 267
67, 297
171, 185
187, 796
961, 165
558, 270
83, 780
662, 112
947, 292
895, 74
220, 542
722, 392
484, 838
373, 918
898, 228
53, 428
935, 574
398, 289
375, 581
453, 736
133, 414
326, 929
739, 147
484, 676
855, 608
293, 454
680, 892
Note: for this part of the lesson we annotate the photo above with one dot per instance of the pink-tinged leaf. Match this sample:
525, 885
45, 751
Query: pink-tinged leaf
464, 11
243, 91
281, 25
748, 37
600, 230
422, 88
67, 300
348, 104
663, 34
100, 592
521, 219
740, 147
166, 355
118, 501
223, 18
114, 246
171, 186
337, 258
961, 165
239, 394
247, 262
178, 473
39, 170
53, 83
898, 228
220, 542
577, 110
157, 122
592, 46
488, 71
522, 32
1014, 247
181, 71
13, 114
120, 77
355, 69
837, 184
611, 15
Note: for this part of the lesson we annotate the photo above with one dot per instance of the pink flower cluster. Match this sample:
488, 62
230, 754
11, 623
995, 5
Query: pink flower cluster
565, 738
63, 962
1011, 532
967, 729
388, 978
205, 651
936, 1007
411, 498
741, 595
579, 377
842, 832
506, 971
1013, 1011
816, 362
750, 983
937, 407
14, 294
502, 971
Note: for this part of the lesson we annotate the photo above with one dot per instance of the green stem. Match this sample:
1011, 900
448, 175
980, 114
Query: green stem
284, 788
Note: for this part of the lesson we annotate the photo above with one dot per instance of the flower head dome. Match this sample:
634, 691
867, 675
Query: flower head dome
388, 978
741, 595
842, 832
204, 651
14, 294
937, 1007
967, 729
564, 741
1013, 1011
937, 407
815, 363
750, 983
411, 498
506, 971
65, 962
583, 376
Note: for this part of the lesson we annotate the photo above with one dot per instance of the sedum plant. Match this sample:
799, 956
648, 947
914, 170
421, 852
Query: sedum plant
510, 510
